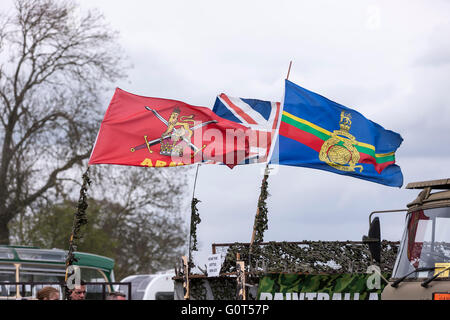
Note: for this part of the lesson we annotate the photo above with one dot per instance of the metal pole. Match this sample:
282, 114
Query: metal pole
104, 291
129, 291
384, 211
433, 234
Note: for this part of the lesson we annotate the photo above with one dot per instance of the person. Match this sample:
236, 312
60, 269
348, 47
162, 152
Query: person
79, 292
48, 293
115, 296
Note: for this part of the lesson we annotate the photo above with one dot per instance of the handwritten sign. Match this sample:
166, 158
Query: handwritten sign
214, 265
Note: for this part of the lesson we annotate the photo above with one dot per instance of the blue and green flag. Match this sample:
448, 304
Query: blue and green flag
318, 133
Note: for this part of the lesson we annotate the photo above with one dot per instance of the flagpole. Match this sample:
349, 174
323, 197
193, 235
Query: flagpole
261, 201
289, 70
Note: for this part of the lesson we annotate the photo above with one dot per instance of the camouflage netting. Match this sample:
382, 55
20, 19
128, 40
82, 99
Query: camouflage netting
219, 288
315, 257
310, 257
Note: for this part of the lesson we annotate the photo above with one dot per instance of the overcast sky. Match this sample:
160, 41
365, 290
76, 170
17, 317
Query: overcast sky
389, 60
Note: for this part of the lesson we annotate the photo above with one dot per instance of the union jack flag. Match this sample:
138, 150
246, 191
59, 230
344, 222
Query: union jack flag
260, 116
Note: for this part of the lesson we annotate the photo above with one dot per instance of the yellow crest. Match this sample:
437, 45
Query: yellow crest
339, 150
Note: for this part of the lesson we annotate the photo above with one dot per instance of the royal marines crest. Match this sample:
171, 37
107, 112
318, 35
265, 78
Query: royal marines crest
339, 150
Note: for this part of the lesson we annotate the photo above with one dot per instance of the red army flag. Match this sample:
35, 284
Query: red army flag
155, 132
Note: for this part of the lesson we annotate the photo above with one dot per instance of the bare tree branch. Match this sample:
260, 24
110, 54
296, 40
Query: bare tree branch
50, 80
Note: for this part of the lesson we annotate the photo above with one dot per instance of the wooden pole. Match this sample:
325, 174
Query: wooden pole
289, 70
240, 269
186, 278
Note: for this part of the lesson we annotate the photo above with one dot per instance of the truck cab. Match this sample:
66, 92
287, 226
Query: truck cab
422, 267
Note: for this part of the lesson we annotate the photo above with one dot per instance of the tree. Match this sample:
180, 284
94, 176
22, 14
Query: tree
54, 63
148, 219
139, 223
48, 228
150, 213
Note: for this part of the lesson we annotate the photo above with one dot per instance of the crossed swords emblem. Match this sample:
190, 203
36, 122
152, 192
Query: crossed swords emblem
148, 144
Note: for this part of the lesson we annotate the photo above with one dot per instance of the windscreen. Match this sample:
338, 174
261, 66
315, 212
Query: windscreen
425, 243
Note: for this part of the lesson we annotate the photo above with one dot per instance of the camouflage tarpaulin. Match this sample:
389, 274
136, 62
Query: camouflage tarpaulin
319, 287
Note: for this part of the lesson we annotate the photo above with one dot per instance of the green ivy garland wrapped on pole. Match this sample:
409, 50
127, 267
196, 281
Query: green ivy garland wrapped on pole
79, 219
195, 220
261, 221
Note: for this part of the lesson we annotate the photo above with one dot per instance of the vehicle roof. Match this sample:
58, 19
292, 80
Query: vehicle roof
427, 200
53, 256
433, 184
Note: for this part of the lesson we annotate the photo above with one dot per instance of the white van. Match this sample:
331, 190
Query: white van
157, 286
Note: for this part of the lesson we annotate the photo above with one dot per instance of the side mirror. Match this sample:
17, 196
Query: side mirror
374, 239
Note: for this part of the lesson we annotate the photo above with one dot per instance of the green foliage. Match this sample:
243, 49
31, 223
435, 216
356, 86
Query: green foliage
80, 219
51, 227
261, 219
143, 243
195, 220
134, 216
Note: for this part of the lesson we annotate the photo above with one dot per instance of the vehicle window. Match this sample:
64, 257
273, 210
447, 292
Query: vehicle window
33, 273
41, 273
6, 253
169, 295
92, 275
7, 274
429, 238
425, 243
41, 255
93, 291
138, 286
